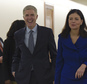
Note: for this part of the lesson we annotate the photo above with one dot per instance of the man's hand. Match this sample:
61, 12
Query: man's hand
13, 73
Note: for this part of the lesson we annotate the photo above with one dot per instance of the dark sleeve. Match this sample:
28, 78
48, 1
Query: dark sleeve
16, 57
52, 48
59, 62
52, 51
6, 59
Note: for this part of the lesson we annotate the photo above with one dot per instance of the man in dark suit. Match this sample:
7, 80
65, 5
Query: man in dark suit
34, 44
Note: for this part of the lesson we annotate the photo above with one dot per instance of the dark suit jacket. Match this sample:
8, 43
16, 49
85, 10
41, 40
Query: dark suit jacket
70, 57
23, 59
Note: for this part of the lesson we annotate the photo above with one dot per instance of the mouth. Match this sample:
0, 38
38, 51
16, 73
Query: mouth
30, 21
73, 25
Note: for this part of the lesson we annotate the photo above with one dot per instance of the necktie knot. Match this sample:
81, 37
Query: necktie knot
31, 31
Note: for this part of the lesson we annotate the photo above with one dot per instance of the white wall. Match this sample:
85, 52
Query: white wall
61, 8
12, 10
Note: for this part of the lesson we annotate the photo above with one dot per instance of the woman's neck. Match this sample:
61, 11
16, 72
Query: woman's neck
74, 33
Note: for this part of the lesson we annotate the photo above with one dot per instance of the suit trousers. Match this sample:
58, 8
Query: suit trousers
33, 79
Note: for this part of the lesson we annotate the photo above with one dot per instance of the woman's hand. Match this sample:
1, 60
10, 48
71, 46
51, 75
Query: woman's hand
80, 71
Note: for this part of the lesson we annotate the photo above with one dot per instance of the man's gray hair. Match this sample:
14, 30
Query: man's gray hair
29, 7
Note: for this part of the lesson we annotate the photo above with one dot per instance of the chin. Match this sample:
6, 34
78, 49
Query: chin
74, 28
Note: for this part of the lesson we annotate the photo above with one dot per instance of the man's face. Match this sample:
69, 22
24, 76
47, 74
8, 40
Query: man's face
30, 18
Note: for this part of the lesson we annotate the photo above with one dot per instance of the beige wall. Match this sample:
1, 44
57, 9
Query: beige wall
11, 10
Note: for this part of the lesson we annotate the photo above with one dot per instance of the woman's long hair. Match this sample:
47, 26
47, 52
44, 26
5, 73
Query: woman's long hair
16, 25
66, 30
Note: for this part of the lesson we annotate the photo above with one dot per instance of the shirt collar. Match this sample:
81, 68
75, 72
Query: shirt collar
34, 29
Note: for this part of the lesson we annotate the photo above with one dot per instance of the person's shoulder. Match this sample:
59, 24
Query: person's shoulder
8, 40
20, 30
45, 29
1, 39
19, 33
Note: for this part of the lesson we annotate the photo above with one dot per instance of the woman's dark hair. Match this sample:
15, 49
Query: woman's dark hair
16, 25
66, 29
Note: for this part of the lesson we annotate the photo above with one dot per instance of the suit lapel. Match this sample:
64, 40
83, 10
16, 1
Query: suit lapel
37, 41
38, 38
81, 42
22, 36
21, 39
68, 43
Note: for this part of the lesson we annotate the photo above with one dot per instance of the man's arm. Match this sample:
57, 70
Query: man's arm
16, 57
52, 48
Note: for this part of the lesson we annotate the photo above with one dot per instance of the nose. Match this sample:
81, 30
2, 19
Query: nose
28, 16
73, 20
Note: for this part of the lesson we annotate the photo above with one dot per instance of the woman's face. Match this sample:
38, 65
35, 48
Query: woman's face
74, 21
